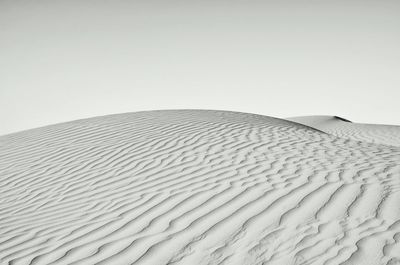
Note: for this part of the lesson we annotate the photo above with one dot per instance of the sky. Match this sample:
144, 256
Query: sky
62, 60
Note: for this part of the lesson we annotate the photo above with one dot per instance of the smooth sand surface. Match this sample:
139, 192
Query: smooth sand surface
198, 187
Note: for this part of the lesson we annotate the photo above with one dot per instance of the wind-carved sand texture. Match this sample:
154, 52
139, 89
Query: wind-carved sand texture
373, 133
196, 187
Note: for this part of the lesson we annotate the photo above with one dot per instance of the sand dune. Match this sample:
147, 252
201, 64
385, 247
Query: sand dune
199, 187
373, 133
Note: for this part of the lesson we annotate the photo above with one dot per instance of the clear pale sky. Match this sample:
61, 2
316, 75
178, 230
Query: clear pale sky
62, 60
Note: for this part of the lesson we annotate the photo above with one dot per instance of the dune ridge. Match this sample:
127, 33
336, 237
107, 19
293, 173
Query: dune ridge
196, 187
373, 133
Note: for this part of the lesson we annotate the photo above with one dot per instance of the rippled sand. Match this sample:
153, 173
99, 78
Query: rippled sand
199, 187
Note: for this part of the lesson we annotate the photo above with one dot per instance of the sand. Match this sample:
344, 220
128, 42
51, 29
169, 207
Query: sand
373, 133
199, 187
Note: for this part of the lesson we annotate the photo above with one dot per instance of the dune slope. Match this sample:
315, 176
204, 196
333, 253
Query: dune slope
196, 187
373, 133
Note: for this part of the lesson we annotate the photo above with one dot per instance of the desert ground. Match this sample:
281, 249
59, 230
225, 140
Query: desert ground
201, 187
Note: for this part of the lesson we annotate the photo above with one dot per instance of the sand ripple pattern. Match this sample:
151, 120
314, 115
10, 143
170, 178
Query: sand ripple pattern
196, 187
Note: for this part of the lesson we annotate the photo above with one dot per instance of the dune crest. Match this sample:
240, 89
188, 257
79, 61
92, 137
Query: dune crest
196, 187
372, 133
